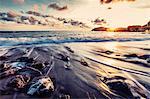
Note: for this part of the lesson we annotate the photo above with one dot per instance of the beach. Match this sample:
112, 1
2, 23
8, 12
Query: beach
74, 49
66, 65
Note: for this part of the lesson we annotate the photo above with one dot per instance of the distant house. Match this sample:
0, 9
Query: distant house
147, 26
136, 28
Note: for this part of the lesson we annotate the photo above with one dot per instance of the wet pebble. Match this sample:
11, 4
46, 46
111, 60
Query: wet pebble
130, 55
83, 62
69, 49
144, 57
148, 60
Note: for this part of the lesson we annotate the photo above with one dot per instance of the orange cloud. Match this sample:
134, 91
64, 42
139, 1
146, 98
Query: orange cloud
44, 7
35, 7
18, 1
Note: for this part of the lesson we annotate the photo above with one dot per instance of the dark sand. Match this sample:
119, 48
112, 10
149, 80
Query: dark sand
83, 70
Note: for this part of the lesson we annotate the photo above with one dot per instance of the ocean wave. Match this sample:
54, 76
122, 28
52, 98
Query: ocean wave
47, 40
39, 38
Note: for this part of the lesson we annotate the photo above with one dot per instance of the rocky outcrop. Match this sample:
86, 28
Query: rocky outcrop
100, 29
133, 28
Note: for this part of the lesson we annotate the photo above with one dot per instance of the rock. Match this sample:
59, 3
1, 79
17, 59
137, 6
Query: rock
38, 66
19, 81
109, 52
64, 57
69, 49
148, 60
131, 55
31, 71
25, 59
4, 66
144, 57
41, 87
3, 58
18, 65
83, 62
109, 8
120, 88
67, 66
9, 72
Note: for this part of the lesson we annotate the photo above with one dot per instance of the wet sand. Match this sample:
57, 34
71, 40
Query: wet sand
84, 70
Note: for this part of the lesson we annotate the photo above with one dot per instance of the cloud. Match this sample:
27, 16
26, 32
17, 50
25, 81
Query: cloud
146, 6
35, 7
110, 1
44, 7
57, 7
18, 1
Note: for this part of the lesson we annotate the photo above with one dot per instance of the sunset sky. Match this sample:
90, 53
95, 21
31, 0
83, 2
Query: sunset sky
120, 13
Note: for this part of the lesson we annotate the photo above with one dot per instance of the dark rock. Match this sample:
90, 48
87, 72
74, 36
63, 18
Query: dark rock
131, 55
120, 88
25, 59
144, 57
41, 87
3, 58
18, 65
9, 72
69, 49
19, 81
148, 60
109, 52
31, 71
4, 66
38, 66
83, 62
64, 58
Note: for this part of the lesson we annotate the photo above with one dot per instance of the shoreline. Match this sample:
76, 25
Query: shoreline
13, 27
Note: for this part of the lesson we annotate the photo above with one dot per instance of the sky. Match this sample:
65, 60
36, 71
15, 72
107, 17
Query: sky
117, 13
